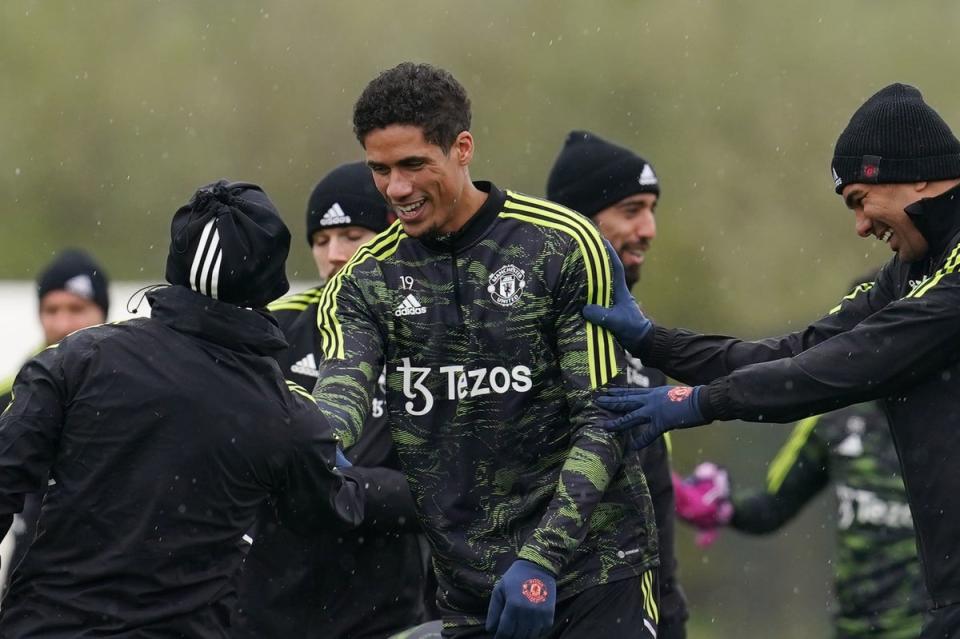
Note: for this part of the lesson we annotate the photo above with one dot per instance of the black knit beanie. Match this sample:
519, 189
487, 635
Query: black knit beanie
229, 243
591, 174
895, 137
347, 196
76, 272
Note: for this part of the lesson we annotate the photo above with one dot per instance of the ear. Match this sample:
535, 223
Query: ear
920, 186
463, 148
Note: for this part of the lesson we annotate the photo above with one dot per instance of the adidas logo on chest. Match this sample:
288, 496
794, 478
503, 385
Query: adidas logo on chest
409, 306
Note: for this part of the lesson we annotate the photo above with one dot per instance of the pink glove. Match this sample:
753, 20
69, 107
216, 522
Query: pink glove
703, 500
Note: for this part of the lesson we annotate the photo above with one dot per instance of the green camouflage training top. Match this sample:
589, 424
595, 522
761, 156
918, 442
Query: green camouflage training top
878, 582
491, 376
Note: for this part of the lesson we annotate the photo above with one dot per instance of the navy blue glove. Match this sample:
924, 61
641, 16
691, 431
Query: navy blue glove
650, 412
523, 602
624, 319
342, 461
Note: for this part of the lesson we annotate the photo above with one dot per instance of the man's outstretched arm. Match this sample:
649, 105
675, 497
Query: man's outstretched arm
694, 358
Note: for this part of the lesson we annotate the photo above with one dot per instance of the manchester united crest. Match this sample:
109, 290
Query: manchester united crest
506, 285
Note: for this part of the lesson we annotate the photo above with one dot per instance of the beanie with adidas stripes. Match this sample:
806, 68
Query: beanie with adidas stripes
591, 174
229, 243
895, 137
347, 196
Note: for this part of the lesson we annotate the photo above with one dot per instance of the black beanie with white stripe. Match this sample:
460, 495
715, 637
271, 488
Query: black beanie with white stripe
229, 243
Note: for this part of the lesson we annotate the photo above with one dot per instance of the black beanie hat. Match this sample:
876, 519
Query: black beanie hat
895, 137
229, 243
76, 272
347, 196
591, 174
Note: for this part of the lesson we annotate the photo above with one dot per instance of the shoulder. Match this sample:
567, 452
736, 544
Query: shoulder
574, 234
304, 414
78, 350
549, 217
363, 276
96, 336
377, 250
289, 311
296, 303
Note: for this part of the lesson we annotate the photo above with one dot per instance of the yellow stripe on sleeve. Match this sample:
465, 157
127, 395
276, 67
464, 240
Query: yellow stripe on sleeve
600, 347
948, 267
294, 387
380, 247
787, 457
860, 288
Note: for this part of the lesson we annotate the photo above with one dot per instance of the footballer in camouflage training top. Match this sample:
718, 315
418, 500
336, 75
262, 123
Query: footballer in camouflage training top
472, 300
878, 583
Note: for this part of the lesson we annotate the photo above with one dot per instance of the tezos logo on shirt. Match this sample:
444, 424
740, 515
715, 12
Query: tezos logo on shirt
461, 383
506, 285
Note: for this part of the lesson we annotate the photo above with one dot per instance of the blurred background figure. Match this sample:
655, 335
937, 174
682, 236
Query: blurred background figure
372, 581
72, 293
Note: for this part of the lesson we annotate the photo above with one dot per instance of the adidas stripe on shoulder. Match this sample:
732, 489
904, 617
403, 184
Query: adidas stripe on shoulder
298, 302
601, 352
296, 388
380, 247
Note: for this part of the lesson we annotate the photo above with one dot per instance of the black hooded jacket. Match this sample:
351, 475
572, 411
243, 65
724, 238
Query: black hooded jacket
897, 339
162, 438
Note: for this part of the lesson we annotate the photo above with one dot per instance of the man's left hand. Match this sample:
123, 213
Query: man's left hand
650, 412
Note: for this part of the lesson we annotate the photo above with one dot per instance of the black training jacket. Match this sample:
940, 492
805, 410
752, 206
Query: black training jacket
162, 437
365, 583
897, 338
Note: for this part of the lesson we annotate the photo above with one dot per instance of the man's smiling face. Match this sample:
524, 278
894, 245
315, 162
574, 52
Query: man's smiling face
879, 211
423, 183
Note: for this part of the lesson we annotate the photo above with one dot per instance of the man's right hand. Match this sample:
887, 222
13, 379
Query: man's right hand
624, 319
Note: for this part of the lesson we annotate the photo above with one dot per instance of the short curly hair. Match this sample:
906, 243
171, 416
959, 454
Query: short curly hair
416, 94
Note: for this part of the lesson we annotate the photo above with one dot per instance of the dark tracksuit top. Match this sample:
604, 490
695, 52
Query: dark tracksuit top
878, 583
655, 462
162, 437
897, 338
367, 582
491, 376
25, 526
